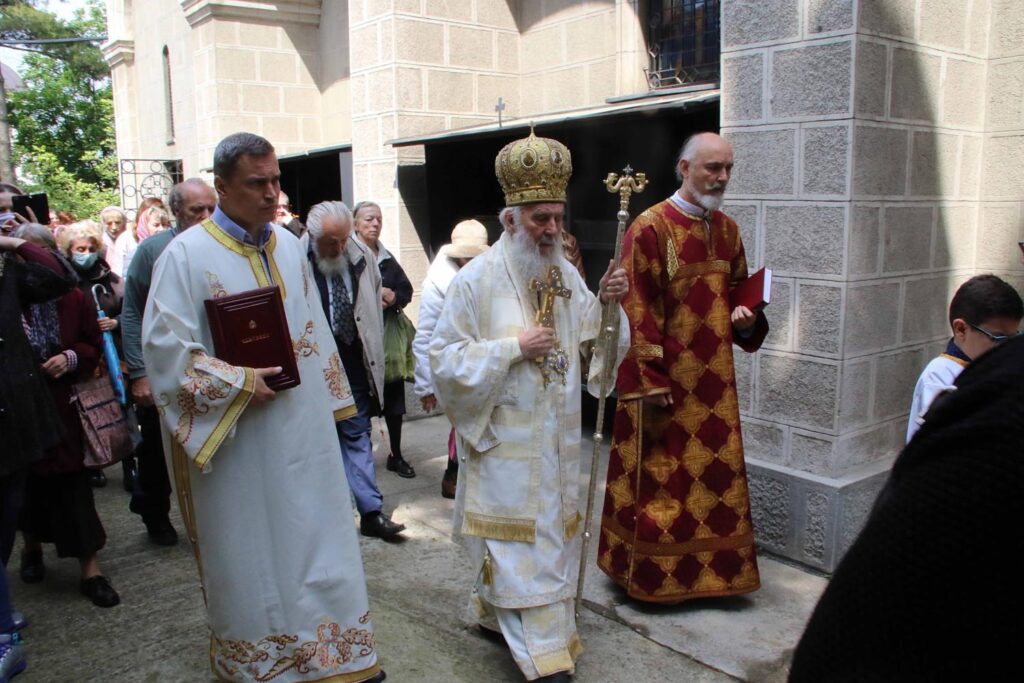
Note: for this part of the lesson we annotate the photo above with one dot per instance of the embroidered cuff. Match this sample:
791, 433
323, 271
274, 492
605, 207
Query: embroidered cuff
72, 359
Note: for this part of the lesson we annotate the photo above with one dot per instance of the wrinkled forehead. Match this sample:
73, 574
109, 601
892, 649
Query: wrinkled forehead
543, 211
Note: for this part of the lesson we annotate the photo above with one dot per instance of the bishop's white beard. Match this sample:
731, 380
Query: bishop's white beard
330, 266
526, 257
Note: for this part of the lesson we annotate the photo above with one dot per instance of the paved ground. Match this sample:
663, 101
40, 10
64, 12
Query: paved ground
418, 591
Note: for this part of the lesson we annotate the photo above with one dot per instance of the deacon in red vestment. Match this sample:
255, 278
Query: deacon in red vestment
676, 523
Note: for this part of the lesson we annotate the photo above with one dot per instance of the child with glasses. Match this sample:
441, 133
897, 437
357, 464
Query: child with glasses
984, 312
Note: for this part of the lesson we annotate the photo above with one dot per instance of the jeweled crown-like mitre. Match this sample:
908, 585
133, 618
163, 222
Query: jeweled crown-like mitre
533, 169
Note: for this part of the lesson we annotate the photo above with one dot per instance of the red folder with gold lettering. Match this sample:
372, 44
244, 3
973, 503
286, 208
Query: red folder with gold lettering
250, 330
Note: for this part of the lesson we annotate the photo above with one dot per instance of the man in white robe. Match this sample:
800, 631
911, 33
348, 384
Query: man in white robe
511, 388
259, 473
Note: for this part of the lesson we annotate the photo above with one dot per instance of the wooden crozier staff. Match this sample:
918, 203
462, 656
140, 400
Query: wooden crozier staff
625, 185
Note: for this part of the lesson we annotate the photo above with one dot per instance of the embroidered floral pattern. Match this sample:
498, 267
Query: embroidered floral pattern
217, 289
335, 377
303, 346
212, 381
275, 654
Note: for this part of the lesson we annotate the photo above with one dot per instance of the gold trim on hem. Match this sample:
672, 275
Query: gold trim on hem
228, 420
697, 545
346, 413
553, 662
499, 528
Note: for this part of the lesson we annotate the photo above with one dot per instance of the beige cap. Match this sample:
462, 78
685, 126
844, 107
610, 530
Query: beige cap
469, 239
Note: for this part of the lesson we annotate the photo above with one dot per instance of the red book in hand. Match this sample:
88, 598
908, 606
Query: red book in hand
755, 292
250, 330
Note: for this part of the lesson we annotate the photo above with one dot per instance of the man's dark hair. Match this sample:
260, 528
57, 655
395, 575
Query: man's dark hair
176, 198
234, 147
984, 297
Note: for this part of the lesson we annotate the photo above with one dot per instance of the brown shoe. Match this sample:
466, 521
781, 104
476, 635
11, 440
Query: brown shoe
448, 483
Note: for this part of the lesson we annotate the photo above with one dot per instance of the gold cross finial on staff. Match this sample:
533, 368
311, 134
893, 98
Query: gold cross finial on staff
625, 185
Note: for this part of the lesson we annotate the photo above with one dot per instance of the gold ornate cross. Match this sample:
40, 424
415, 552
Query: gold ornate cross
548, 290
556, 361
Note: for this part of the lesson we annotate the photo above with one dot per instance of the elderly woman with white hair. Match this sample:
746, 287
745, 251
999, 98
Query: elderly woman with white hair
114, 221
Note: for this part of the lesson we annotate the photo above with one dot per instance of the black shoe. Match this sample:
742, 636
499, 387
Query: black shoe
400, 466
97, 479
98, 589
376, 525
379, 678
32, 568
449, 483
161, 531
130, 469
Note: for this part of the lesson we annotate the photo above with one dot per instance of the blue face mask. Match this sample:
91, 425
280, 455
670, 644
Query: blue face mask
84, 261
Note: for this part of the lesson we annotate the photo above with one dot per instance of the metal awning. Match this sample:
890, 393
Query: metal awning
344, 147
676, 100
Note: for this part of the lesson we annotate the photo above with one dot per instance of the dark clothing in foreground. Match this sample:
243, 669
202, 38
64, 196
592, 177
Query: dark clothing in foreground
28, 422
928, 590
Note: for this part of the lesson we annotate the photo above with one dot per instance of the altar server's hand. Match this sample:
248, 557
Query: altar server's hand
261, 393
429, 403
614, 284
743, 318
536, 341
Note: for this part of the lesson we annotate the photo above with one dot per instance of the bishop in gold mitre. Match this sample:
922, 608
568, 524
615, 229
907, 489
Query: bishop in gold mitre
506, 361
676, 523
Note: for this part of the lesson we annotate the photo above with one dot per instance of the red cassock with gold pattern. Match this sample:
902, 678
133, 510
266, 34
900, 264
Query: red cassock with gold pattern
676, 523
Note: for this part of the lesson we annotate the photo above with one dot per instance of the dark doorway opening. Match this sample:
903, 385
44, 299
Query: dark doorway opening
317, 176
461, 183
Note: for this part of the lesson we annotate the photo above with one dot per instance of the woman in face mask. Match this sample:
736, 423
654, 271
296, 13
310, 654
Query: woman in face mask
81, 243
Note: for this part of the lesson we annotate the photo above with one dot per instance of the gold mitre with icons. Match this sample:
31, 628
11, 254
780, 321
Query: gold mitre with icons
533, 169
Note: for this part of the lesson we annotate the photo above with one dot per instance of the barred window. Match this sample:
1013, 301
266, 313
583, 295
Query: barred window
683, 42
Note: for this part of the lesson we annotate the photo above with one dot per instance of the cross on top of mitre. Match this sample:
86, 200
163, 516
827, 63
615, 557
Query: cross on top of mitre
548, 290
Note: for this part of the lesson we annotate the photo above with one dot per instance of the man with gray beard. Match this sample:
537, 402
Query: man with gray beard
349, 283
676, 523
506, 358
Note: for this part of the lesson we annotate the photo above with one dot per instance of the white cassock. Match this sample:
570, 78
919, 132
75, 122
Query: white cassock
262, 489
518, 499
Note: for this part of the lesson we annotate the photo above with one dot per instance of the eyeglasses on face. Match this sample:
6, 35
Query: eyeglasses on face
995, 338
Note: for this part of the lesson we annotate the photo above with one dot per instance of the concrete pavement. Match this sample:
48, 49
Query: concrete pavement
418, 592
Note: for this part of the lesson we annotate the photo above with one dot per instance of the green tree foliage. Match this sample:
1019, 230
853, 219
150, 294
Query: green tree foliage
63, 118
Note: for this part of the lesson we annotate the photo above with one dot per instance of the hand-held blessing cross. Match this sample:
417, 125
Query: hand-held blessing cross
555, 361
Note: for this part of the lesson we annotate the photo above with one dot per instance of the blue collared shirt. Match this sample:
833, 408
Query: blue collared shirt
239, 233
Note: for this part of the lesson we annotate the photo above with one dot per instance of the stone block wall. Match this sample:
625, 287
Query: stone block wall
862, 144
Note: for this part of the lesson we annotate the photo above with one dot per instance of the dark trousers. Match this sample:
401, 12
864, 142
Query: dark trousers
151, 497
6, 623
12, 496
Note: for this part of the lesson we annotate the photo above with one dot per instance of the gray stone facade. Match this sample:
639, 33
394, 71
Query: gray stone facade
878, 153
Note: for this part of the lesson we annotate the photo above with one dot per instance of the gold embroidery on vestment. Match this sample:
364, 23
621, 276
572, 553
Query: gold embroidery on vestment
270, 657
700, 501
